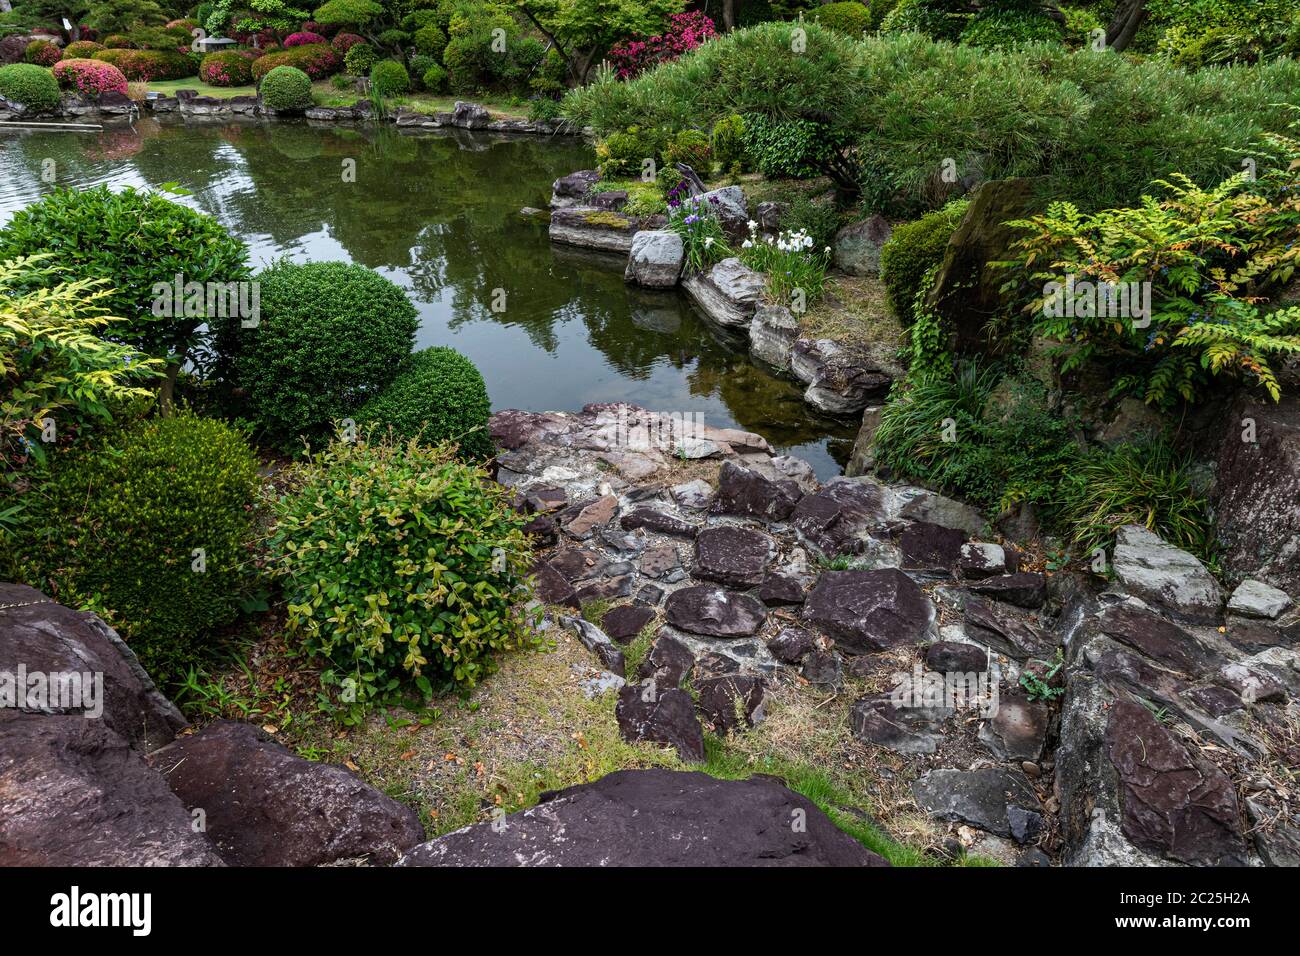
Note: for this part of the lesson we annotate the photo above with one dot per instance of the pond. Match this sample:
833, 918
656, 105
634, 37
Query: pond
438, 213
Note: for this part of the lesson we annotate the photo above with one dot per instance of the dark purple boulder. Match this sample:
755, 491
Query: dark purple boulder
715, 612
736, 557
660, 715
867, 611
743, 491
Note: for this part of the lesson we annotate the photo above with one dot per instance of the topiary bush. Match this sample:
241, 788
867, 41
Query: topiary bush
691, 147
435, 79
624, 153
226, 68
81, 49
794, 148
285, 88
42, 53
146, 65
439, 396
331, 336
317, 60
119, 41
344, 42
430, 40
428, 596
359, 59
89, 77
389, 78
851, 18
912, 251
304, 38
153, 529
33, 86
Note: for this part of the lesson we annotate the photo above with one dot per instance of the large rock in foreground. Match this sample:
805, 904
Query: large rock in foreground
73, 793
266, 806
1161, 574
655, 818
54, 640
728, 293
655, 259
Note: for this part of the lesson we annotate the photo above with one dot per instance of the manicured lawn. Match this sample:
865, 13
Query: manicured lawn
326, 95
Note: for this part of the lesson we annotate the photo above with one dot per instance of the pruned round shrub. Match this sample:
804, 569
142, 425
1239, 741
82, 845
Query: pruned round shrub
439, 396
152, 530
850, 18
691, 147
913, 250
435, 79
389, 78
182, 24
790, 148
89, 77
317, 60
331, 336
623, 153
131, 241
42, 53
226, 69
146, 65
344, 42
81, 49
119, 41
33, 86
285, 88
303, 38
430, 40
359, 59
427, 597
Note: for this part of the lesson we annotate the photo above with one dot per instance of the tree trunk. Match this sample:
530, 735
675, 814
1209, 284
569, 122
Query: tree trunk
728, 15
6, 6
1129, 15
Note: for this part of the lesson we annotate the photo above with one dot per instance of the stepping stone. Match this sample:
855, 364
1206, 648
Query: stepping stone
730, 703
657, 560
1018, 731
625, 622
840, 518
868, 611
953, 657
996, 800
552, 587
662, 716
1027, 589
696, 495
930, 547
667, 663
591, 516
823, 668
715, 612
781, 590
792, 644
1256, 599
875, 719
743, 491
659, 522
1004, 629
982, 560
736, 557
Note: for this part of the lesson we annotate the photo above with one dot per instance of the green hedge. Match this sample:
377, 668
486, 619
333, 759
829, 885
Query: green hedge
117, 528
912, 250
33, 86
439, 396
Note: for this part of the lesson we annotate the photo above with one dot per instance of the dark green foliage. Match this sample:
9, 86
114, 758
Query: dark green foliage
912, 251
389, 78
401, 566
132, 240
850, 18
728, 141
623, 154
286, 88
438, 397
435, 79
331, 336
1001, 27
796, 148
33, 86
691, 147
359, 59
116, 528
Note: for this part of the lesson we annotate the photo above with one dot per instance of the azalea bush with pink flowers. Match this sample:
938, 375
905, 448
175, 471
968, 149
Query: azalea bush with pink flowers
317, 60
685, 31
89, 77
304, 38
346, 41
43, 53
227, 68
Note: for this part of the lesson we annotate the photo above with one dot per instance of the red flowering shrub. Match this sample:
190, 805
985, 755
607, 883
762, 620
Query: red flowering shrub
317, 60
685, 31
303, 39
186, 25
226, 69
346, 41
43, 53
89, 77
81, 49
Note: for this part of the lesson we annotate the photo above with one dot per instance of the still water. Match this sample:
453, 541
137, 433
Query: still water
438, 213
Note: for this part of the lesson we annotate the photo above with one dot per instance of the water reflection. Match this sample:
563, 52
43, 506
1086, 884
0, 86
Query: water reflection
438, 214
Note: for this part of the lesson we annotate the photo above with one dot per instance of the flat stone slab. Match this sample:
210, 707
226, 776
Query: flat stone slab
715, 612
1161, 574
838, 519
996, 800
658, 818
911, 730
1018, 731
625, 622
868, 611
660, 715
736, 557
744, 492
1256, 599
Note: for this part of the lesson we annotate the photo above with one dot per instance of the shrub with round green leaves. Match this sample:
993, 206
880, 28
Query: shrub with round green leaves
331, 336
850, 18
439, 396
33, 86
912, 251
790, 148
1002, 28
286, 88
389, 78
359, 59
154, 529
401, 565
134, 242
